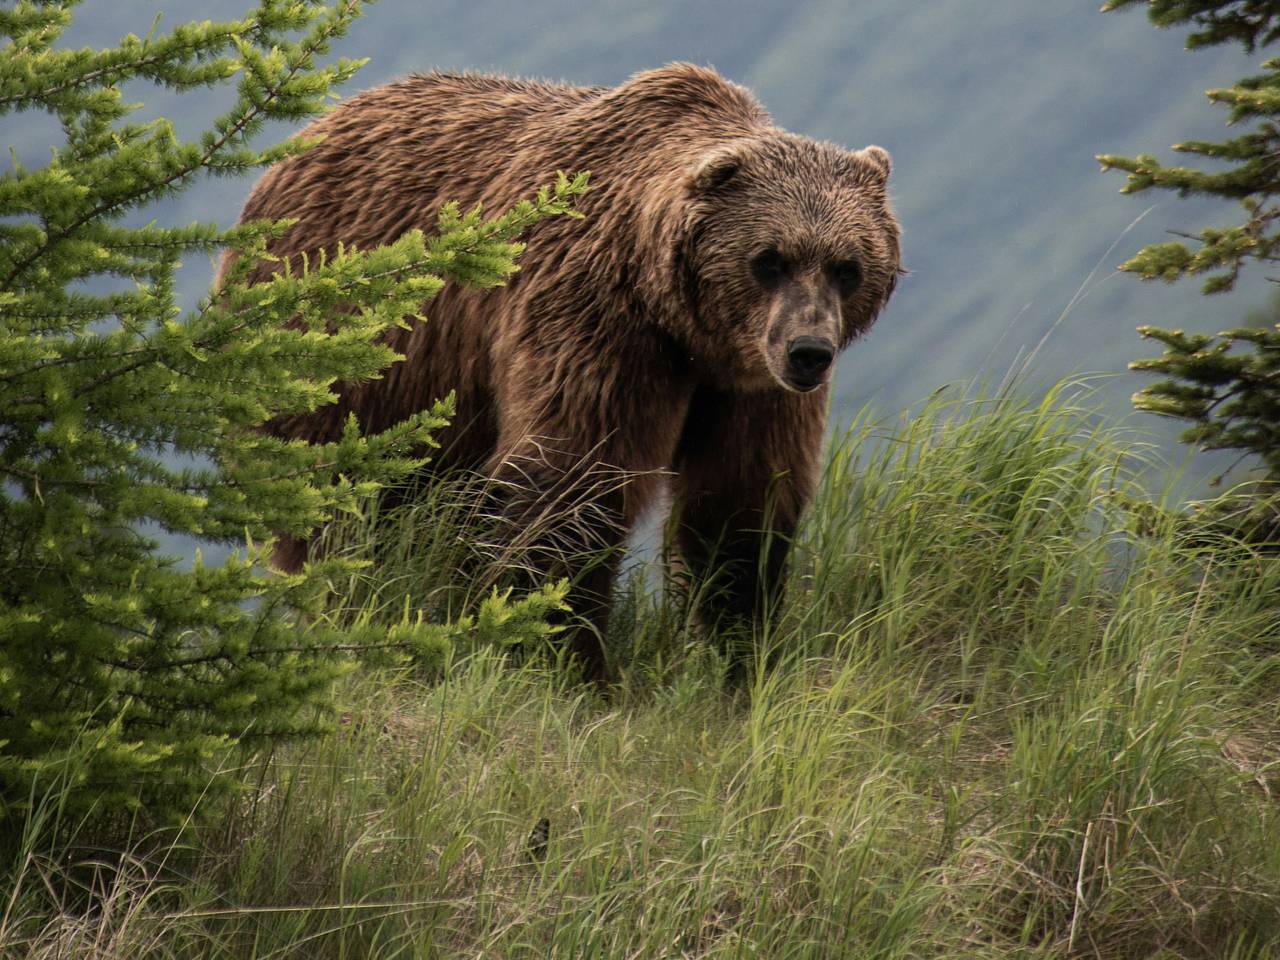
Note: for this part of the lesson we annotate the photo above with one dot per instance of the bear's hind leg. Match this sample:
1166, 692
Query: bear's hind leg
745, 469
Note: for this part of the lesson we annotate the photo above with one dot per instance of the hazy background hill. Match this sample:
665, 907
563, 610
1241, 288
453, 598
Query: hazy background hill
993, 110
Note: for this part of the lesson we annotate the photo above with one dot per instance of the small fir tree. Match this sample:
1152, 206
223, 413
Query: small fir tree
1227, 386
124, 673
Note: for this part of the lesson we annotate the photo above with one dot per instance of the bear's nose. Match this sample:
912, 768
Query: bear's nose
809, 357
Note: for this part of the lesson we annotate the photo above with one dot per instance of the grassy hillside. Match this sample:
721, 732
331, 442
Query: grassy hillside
995, 722
1007, 709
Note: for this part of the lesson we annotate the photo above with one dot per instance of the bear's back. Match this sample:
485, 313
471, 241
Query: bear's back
390, 157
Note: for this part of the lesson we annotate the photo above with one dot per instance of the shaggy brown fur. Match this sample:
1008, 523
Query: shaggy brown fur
658, 336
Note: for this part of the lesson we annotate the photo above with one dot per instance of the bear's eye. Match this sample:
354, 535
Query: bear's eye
847, 275
770, 267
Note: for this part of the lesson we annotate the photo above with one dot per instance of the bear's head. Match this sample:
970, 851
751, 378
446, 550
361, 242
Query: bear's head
789, 251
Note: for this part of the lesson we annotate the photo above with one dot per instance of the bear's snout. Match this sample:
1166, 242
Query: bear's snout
808, 359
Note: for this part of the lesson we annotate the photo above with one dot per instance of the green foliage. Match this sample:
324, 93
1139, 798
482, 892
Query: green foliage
1251, 23
414, 639
1226, 386
1232, 394
124, 675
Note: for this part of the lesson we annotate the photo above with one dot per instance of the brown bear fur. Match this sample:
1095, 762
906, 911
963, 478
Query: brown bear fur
651, 337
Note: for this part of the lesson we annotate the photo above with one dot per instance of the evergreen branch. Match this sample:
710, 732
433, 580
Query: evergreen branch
440, 251
1251, 23
1226, 388
143, 66
257, 109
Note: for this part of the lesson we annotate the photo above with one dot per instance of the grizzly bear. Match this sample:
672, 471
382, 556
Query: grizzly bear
681, 336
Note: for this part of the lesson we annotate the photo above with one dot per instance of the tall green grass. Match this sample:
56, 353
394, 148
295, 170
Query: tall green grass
989, 720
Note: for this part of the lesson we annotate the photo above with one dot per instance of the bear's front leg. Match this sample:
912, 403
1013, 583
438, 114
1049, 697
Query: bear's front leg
588, 427
565, 515
746, 468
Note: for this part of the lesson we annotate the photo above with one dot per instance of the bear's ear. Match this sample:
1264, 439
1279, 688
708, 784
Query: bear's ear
879, 160
717, 167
